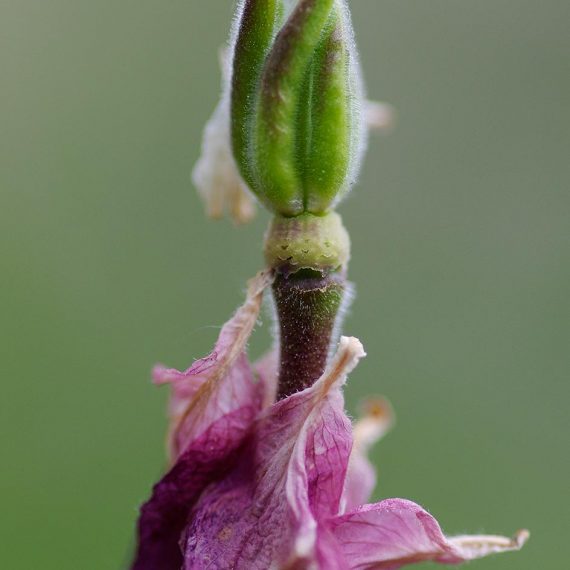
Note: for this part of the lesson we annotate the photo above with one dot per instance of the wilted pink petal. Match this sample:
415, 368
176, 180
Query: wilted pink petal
396, 532
377, 420
164, 516
290, 476
215, 403
218, 383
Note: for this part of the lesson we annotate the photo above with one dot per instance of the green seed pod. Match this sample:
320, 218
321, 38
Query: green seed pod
258, 23
296, 98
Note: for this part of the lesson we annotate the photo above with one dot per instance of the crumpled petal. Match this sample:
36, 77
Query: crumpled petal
215, 403
396, 532
291, 475
377, 420
215, 175
218, 383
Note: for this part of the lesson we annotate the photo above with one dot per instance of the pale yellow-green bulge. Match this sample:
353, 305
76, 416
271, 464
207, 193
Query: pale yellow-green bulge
307, 241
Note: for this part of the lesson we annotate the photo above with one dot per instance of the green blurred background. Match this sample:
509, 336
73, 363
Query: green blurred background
460, 228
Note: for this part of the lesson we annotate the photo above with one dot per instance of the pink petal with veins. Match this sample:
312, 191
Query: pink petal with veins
397, 532
377, 419
266, 513
214, 405
218, 383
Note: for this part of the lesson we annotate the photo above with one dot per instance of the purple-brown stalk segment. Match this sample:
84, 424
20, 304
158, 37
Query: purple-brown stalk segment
307, 305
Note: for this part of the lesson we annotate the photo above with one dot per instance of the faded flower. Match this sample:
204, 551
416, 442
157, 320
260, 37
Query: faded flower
258, 484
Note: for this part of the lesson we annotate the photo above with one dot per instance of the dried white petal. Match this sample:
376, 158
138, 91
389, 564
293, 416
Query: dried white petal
475, 546
379, 117
215, 175
377, 420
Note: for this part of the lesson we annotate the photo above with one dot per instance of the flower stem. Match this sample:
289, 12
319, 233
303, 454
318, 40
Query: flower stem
308, 304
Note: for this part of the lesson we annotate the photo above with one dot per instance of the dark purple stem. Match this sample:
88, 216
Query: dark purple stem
307, 304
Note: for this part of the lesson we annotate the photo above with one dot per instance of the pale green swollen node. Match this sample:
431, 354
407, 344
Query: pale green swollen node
296, 102
307, 241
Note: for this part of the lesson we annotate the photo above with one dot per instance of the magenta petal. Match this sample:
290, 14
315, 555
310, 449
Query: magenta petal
266, 513
377, 420
213, 408
213, 385
164, 516
360, 482
396, 532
